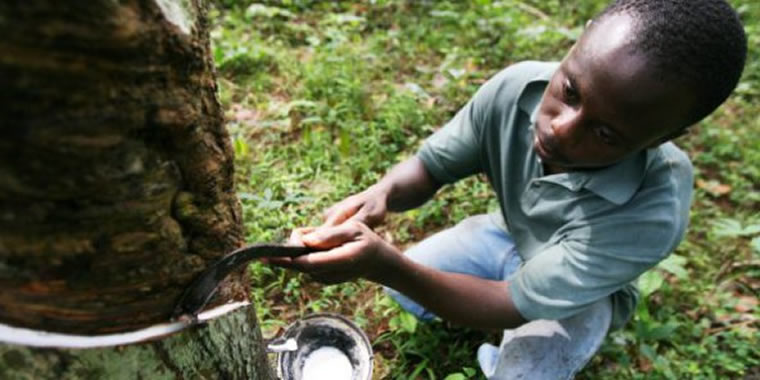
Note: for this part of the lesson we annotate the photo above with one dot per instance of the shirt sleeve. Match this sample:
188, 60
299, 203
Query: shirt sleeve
596, 261
453, 152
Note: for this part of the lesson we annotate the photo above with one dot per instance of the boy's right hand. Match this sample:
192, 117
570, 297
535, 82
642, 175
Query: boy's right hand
368, 207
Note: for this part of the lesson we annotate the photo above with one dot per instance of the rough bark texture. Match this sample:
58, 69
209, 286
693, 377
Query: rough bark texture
116, 189
223, 349
116, 172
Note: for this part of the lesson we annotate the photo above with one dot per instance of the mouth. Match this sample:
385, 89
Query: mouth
544, 151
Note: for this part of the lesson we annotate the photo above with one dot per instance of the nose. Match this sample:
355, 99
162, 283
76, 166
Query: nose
566, 127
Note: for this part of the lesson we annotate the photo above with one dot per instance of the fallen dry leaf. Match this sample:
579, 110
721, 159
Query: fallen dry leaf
746, 304
713, 187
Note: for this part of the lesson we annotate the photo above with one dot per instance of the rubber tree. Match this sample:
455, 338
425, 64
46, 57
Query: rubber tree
116, 190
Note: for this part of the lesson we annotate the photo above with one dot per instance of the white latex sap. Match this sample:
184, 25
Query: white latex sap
327, 363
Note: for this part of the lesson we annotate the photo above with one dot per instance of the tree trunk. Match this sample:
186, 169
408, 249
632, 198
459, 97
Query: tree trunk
227, 347
116, 186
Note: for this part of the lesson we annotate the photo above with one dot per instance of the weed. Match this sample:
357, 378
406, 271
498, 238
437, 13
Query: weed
322, 98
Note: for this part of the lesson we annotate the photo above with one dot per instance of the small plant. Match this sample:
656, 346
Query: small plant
322, 98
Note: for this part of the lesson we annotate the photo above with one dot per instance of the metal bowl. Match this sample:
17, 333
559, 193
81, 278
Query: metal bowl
318, 331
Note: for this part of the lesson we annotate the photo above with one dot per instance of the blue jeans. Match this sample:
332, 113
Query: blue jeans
540, 349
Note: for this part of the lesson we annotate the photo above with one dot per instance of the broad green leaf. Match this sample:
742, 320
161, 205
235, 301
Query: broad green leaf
648, 351
650, 282
675, 265
259, 10
408, 322
455, 376
246, 196
660, 332
642, 312
755, 244
733, 228
727, 227
752, 229
641, 328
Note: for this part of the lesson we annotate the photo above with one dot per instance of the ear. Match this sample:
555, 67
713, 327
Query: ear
670, 136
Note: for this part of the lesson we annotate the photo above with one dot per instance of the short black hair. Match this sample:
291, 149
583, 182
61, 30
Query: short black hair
700, 43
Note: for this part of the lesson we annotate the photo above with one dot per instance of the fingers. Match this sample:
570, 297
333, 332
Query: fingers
330, 237
320, 264
278, 261
344, 256
339, 213
369, 214
360, 216
326, 261
317, 237
343, 259
296, 236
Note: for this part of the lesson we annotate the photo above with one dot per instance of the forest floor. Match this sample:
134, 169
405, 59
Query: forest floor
323, 97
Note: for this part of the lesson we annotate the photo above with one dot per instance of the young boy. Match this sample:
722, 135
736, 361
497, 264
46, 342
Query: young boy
592, 194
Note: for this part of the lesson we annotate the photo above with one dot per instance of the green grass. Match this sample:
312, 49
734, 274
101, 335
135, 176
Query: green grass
323, 97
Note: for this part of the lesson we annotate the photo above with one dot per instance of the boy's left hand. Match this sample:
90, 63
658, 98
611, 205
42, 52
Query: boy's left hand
348, 251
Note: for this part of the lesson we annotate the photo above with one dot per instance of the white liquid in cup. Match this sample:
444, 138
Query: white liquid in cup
327, 363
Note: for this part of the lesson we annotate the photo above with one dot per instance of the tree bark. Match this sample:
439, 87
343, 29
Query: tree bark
226, 347
116, 183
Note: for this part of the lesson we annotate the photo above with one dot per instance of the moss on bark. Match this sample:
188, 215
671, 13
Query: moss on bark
224, 348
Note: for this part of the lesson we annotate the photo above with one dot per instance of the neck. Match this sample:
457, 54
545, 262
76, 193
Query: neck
553, 169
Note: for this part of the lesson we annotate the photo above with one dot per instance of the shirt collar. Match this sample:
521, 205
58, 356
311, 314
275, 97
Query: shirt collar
616, 183
619, 182
530, 96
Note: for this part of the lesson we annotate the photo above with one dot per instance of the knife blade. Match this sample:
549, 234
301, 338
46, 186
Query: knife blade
200, 291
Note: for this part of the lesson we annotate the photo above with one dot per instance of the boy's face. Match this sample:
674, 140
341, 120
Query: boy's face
604, 102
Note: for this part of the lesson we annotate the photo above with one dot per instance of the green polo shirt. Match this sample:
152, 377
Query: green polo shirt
582, 235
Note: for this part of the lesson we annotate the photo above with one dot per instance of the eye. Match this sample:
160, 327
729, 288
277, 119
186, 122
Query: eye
569, 92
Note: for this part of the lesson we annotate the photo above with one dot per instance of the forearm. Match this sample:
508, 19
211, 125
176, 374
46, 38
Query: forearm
459, 298
408, 185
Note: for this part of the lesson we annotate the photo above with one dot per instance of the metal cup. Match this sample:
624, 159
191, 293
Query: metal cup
313, 332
